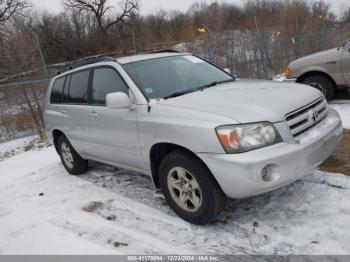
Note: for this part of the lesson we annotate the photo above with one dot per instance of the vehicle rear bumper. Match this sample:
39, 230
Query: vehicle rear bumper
240, 175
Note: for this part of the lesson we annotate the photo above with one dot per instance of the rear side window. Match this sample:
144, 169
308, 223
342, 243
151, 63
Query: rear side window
106, 81
78, 88
57, 90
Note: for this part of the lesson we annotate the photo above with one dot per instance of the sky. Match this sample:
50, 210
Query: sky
150, 6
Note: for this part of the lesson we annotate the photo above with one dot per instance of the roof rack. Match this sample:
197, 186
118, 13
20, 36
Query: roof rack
165, 51
86, 61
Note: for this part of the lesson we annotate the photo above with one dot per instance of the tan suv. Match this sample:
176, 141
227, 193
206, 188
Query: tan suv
327, 71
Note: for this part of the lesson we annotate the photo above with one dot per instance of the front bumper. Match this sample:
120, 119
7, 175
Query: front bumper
240, 175
283, 78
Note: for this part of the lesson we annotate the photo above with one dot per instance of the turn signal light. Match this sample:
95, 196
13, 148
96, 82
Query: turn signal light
287, 72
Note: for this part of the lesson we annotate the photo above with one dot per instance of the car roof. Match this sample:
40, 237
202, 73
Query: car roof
122, 60
137, 58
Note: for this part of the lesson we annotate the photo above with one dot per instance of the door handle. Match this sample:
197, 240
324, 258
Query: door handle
93, 114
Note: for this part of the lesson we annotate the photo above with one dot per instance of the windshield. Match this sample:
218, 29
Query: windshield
162, 77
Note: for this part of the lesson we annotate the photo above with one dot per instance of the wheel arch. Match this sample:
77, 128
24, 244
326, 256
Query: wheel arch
305, 75
159, 151
56, 133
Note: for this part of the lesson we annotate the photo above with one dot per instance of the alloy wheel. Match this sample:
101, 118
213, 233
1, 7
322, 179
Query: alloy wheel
67, 155
184, 189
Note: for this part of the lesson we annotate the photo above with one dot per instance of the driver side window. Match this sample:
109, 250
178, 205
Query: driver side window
105, 81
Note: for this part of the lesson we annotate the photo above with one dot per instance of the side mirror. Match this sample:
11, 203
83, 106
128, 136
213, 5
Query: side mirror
117, 100
228, 70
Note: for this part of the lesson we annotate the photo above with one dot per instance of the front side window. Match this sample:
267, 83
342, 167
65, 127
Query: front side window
57, 90
106, 81
78, 88
162, 77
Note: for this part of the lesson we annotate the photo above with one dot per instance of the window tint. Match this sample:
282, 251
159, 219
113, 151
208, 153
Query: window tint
65, 90
56, 92
106, 81
161, 77
78, 88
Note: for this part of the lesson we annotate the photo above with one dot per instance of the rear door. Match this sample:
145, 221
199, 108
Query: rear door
345, 62
54, 112
76, 110
114, 130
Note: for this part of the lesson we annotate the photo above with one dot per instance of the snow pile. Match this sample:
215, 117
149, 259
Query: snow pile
279, 78
21, 145
44, 210
323, 127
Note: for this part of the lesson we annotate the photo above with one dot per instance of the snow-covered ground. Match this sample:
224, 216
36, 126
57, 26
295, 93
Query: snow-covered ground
43, 210
20, 145
343, 108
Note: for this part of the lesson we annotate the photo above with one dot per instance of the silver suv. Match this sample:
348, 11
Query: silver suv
199, 133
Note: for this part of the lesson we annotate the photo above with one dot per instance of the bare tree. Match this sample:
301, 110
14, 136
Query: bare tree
10, 7
100, 9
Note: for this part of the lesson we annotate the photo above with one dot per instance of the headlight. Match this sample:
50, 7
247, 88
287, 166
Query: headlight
243, 138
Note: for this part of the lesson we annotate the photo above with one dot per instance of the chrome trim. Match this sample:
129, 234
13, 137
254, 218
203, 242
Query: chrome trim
301, 120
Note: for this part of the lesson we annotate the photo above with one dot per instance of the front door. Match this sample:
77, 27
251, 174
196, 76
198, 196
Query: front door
114, 130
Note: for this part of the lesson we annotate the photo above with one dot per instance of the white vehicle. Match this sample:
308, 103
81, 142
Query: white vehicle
199, 133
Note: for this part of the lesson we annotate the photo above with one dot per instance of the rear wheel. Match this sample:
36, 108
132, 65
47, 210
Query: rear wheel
321, 83
190, 188
71, 160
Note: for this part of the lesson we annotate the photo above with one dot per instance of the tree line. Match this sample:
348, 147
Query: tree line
87, 27
256, 39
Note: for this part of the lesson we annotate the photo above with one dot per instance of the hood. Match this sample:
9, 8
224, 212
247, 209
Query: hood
330, 55
248, 101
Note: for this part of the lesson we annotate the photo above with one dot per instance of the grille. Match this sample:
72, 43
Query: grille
307, 117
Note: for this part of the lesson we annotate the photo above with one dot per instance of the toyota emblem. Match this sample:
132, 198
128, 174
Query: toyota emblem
314, 115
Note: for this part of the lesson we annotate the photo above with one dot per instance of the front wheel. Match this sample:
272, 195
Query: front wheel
190, 188
321, 83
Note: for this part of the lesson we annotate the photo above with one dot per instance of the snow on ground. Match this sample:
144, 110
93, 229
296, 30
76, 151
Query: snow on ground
43, 210
20, 145
16, 144
343, 108
11, 110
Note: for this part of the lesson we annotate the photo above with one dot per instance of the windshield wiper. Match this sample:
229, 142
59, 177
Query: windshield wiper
201, 88
176, 94
215, 84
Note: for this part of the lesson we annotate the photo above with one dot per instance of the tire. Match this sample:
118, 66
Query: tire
205, 199
322, 83
71, 160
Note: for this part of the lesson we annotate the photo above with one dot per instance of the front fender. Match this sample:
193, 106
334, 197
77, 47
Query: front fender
308, 69
189, 129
